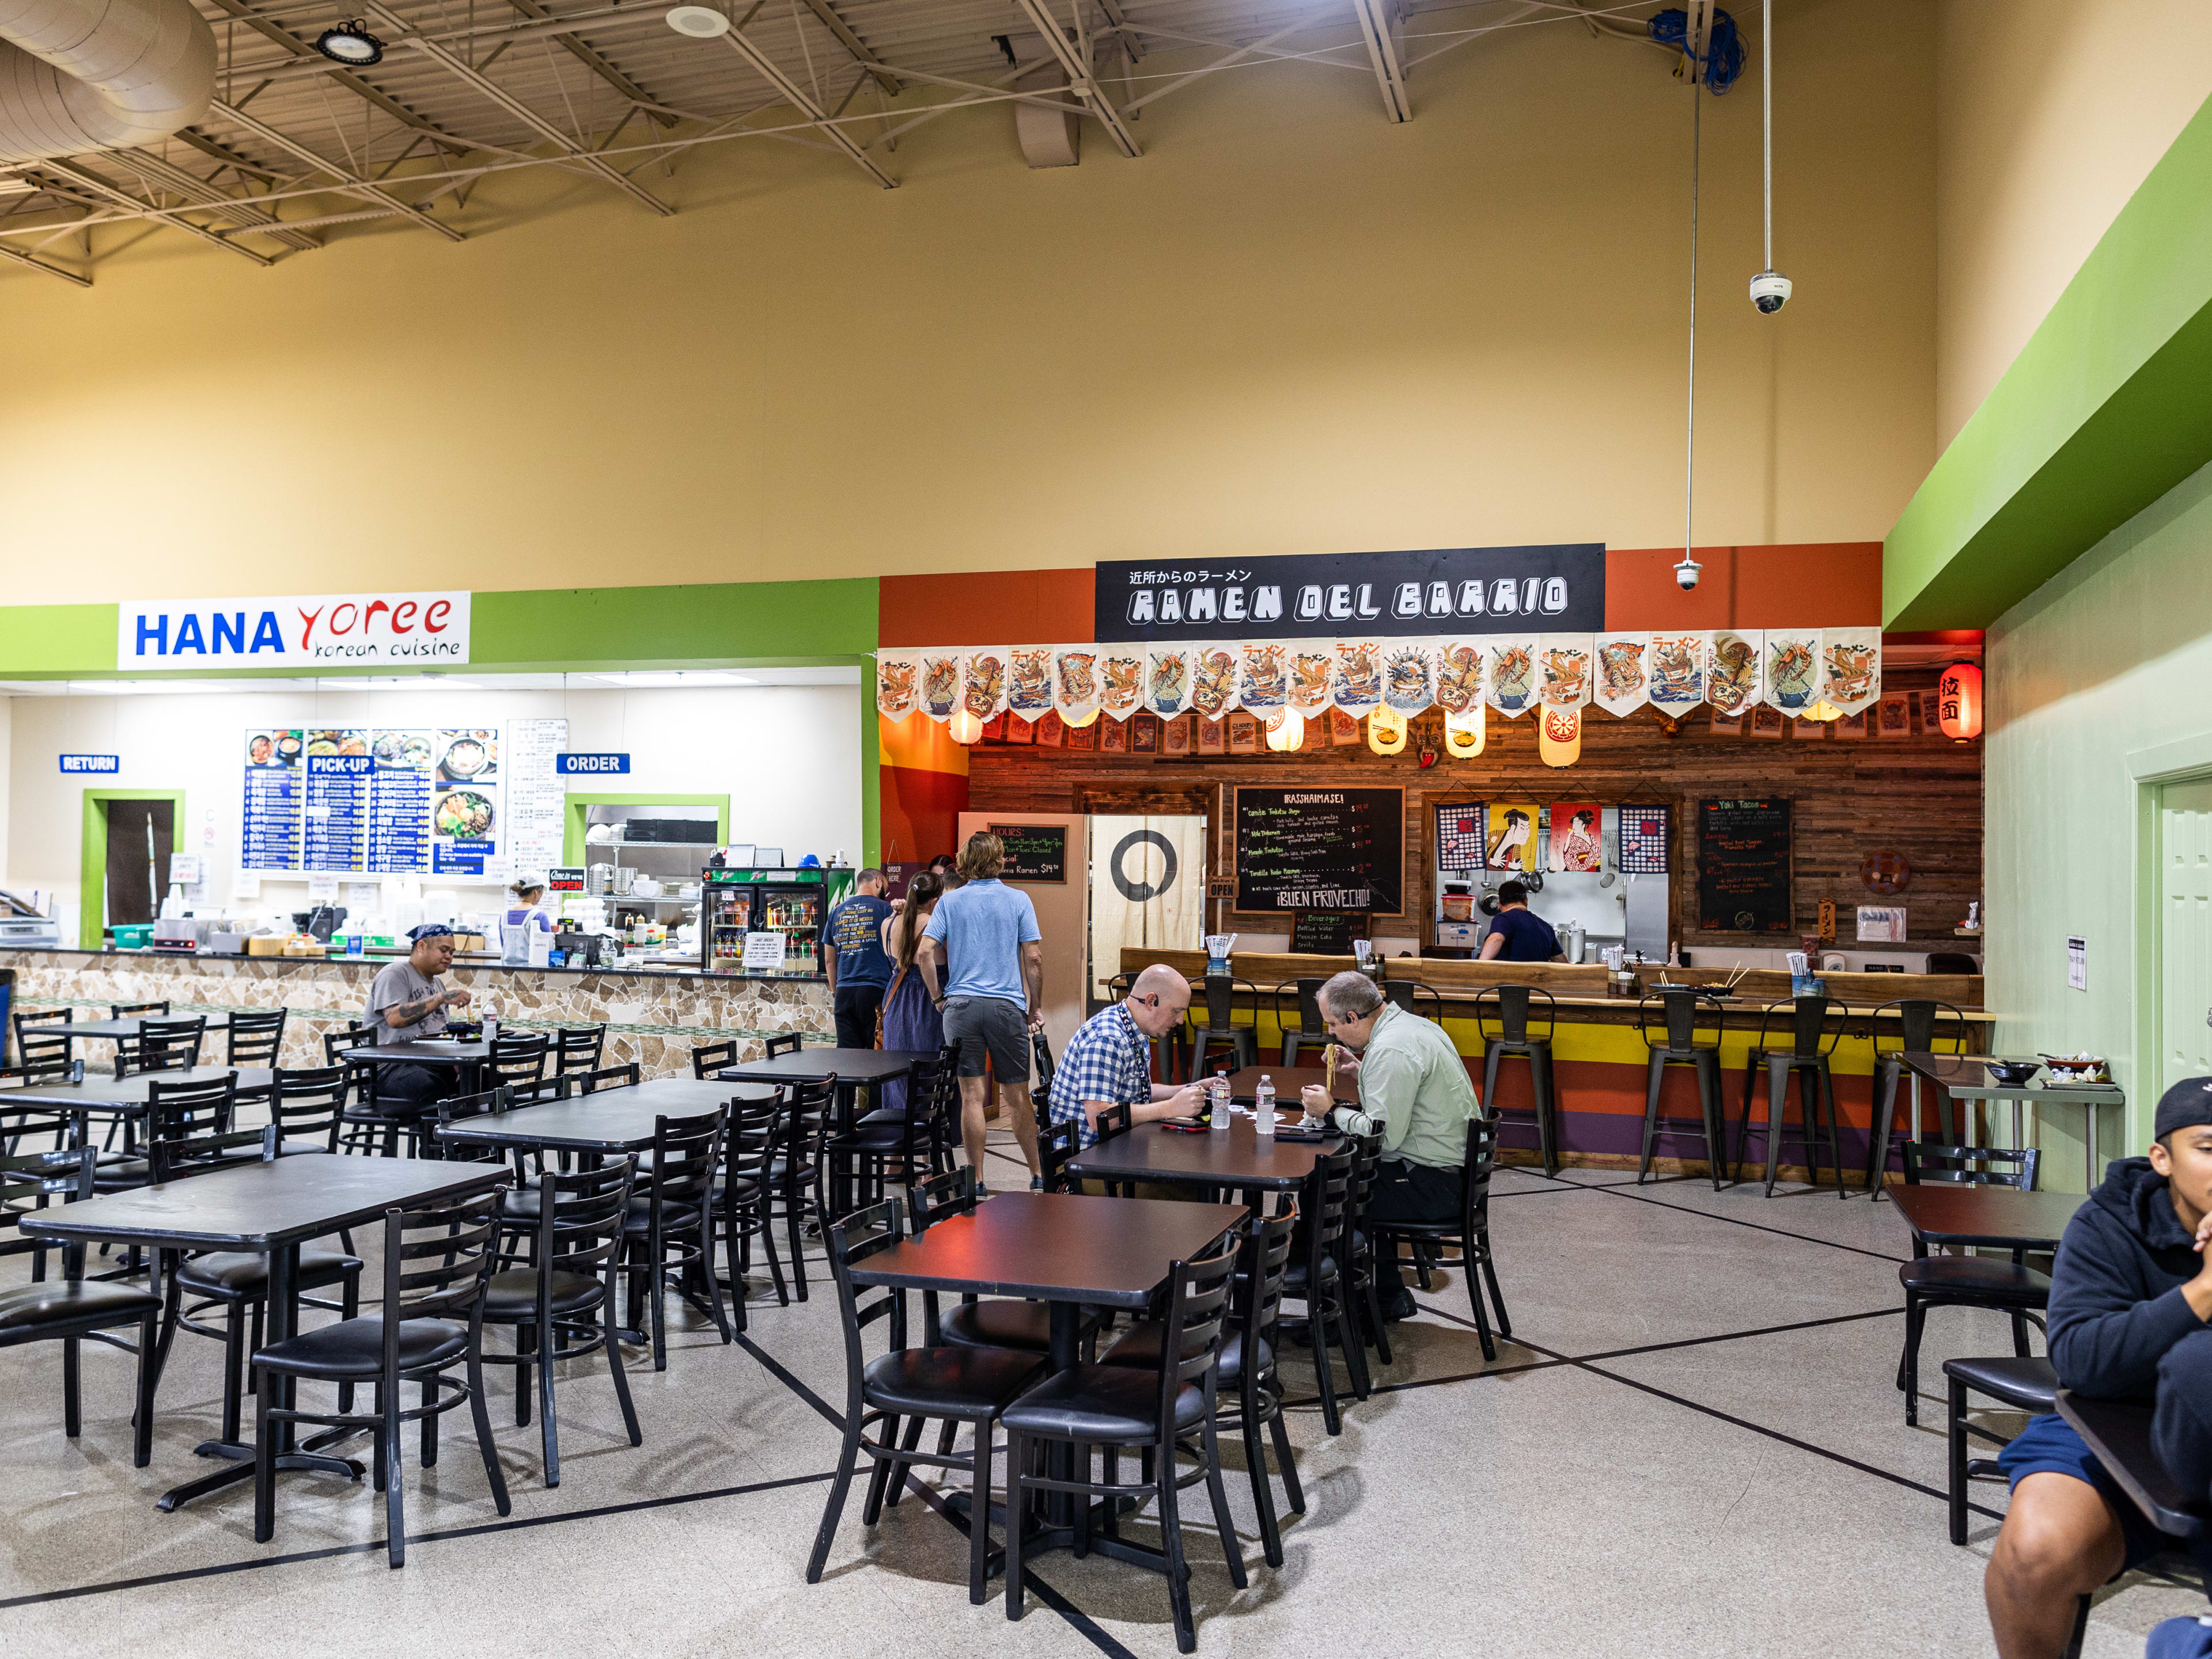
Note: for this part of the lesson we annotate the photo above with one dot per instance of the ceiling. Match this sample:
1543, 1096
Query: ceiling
297, 147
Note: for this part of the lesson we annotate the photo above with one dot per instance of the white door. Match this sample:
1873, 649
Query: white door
1147, 890
2185, 964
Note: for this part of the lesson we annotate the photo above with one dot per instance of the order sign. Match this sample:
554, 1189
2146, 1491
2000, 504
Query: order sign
324, 630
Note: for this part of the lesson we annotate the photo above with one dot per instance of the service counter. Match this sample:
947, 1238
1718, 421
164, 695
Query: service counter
652, 1016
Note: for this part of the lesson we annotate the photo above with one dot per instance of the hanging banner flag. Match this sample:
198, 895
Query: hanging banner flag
1793, 669
1643, 840
898, 683
1459, 676
1167, 681
1029, 680
1563, 662
1213, 680
1409, 676
1263, 677
1623, 672
1075, 668
1309, 662
1511, 844
1733, 664
1851, 660
983, 681
1678, 671
1560, 736
940, 684
1578, 838
1512, 674
1356, 686
1121, 681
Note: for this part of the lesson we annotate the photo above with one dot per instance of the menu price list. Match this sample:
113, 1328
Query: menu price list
1320, 849
269, 826
337, 814
399, 803
1744, 867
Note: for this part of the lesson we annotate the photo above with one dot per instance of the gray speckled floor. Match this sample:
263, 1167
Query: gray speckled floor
1696, 1446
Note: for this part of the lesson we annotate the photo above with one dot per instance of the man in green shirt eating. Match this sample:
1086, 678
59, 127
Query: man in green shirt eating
1414, 1091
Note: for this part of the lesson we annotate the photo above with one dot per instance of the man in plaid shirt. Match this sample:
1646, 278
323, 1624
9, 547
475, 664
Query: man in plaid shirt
1109, 1060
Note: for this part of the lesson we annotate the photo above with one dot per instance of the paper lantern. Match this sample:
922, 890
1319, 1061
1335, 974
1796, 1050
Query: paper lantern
1823, 711
965, 728
1386, 731
1079, 720
1286, 731
1959, 703
1463, 733
1560, 736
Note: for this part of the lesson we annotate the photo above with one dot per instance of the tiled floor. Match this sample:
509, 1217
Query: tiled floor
1694, 1445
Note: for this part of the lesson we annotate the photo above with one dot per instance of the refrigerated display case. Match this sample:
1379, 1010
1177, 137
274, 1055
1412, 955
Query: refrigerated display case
735, 905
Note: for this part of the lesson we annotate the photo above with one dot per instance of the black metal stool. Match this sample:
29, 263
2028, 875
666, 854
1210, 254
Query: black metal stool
1508, 1006
1407, 993
1691, 1037
1919, 1019
1312, 1030
1813, 1038
1243, 1042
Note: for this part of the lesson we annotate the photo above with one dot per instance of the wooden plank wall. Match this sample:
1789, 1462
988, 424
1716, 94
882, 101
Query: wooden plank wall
1921, 796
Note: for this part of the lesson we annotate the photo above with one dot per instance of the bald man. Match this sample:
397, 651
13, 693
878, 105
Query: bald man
1109, 1062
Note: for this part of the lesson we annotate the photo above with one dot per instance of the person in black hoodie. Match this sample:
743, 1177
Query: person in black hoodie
2130, 1292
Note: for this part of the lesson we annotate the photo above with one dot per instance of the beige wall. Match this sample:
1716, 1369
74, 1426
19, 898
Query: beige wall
2049, 114
1292, 326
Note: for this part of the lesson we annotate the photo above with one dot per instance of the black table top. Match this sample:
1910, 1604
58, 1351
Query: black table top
114, 1029
1951, 1212
685, 1096
1056, 1247
1969, 1074
1239, 1159
1290, 1083
812, 1064
2118, 1431
128, 1094
428, 1051
260, 1207
612, 1120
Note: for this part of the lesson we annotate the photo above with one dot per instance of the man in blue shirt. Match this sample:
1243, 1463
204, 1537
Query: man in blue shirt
1517, 933
859, 972
1109, 1060
988, 931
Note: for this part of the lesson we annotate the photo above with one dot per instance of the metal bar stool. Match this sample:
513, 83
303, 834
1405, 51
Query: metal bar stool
1812, 1037
1924, 1023
1243, 1042
1688, 1033
1312, 1030
1410, 995
1507, 1007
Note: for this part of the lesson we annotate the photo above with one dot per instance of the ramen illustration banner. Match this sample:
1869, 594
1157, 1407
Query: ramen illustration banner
1513, 675
1733, 664
898, 683
1030, 677
1121, 680
1409, 676
983, 680
1459, 665
1793, 669
1623, 672
1850, 664
1215, 670
1578, 838
1075, 673
1563, 670
1356, 685
1309, 662
1678, 671
1167, 679
939, 696
1263, 683
1511, 843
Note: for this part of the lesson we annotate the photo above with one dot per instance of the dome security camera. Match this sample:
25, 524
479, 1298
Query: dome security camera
1770, 292
1686, 573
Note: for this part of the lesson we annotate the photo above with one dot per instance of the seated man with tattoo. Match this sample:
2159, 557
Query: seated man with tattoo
406, 1003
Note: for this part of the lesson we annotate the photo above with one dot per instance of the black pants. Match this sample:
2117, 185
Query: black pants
1410, 1192
2181, 1429
406, 1090
856, 1007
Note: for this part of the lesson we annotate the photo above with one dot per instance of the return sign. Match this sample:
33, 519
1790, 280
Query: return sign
582, 766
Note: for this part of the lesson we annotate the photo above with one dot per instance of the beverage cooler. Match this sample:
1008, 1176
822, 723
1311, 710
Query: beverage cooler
748, 916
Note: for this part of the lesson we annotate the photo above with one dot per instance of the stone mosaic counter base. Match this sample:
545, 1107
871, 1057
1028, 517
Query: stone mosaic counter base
655, 1020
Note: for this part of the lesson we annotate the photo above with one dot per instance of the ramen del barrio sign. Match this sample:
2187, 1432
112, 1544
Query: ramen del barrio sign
1795, 670
320, 630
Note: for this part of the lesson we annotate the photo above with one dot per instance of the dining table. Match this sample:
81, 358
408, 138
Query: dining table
606, 1123
1236, 1159
124, 1099
855, 1069
1968, 1078
1989, 1217
126, 1030
467, 1059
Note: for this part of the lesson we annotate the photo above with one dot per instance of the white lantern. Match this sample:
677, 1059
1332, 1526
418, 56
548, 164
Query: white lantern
965, 728
1463, 733
1386, 730
1286, 731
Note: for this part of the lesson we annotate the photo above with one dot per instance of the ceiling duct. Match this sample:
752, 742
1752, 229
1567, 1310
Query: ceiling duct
77, 75
1050, 137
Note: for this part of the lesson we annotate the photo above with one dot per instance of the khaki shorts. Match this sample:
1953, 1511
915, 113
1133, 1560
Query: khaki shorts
991, 1026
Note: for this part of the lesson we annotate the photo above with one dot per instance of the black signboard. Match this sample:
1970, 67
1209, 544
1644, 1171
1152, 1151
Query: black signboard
1326, 932
1320, 849
1035, 852
1743, 866
1452, 590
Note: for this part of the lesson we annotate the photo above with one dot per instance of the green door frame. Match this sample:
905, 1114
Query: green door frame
2188, 761
92, 868
572, 838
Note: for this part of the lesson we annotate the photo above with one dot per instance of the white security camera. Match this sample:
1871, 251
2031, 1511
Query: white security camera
1686, 573
1770, 292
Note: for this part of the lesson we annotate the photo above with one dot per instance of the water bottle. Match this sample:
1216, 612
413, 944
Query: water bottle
1218, 1102
491, 1028
1263, 1107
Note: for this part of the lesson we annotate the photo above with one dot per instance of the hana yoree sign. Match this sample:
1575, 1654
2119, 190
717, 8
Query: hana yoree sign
322, 631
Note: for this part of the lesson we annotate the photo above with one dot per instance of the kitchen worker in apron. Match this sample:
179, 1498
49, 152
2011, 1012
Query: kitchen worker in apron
525, 932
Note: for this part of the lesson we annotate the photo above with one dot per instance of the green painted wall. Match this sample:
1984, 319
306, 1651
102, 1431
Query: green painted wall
2108, 660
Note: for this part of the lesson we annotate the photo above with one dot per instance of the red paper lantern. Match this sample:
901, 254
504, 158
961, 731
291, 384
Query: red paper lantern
1959, 703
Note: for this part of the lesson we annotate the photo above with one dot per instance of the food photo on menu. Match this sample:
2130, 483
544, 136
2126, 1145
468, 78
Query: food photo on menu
272, 748
463, 815
409, 749
336, 743
468, 757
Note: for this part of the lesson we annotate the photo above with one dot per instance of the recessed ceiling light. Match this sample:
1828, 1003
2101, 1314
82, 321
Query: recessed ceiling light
671, 680
700, 22
350, 43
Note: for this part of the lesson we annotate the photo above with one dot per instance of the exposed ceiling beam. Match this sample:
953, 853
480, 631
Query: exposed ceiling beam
115, 194
1120, 20
853, 44
599, 65
521, 111
352, 183
1376, 20
22, 258
1080, 80
242, 211
789, 91
345, 77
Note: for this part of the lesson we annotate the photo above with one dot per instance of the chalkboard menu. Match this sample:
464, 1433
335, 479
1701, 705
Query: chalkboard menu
1326, 932
1035, 852
1320, 849
1743, 866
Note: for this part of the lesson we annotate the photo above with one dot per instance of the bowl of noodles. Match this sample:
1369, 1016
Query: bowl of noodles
463, 815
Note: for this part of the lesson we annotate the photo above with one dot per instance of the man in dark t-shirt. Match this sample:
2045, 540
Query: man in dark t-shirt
859, 972
1517, 933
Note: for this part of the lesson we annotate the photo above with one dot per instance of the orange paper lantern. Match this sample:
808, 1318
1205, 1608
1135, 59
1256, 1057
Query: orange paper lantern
1560, 736
1959, 703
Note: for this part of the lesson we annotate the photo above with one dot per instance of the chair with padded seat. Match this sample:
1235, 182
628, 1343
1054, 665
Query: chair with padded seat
1314, 1278
1469, 1230
887, 1150
72, 1310
561, 1303
1311, 1030
2027, 1385
256, 1038
998, 1322
795, 1172
1359, 1259
669, 1237
624, 1076
1511, 1026
915, 1385
1157, 1411
1679, 1028
518, 1063
1966, 1281
1815, 1026
307, 1108
192, 1110
43, 1041
1221, 1027
173, 1044
438, 1258
578, 1049
1926, 1027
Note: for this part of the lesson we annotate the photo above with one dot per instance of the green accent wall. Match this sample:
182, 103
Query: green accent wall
42, 642
574, 850
2107, 407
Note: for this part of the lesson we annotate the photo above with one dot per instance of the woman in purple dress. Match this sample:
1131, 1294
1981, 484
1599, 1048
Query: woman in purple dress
911, 1021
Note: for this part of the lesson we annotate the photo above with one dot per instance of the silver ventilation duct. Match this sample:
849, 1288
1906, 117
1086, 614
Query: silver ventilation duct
77, 75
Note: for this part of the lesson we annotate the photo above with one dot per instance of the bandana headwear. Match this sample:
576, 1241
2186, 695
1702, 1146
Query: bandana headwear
2184, 1106
429, 930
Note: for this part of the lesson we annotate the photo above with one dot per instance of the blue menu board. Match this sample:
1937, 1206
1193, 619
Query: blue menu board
465, 807
336, 817
269, 825
399, 802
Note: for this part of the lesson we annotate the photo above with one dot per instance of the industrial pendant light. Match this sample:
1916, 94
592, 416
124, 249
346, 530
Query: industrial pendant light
351, 43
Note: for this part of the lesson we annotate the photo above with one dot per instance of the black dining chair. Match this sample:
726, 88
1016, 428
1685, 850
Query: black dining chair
578, 1049
73, 1309
186, 1110
1359, 1262
1159, 1413
307, 1108
517, 1063
783, 1043
438, 1259
1310, 1031
1315, 1279
1925, 1027
905, 1384
795, 1196
1218, 1026
709, 1058
1966, 1281
561, 1303
2027, 1385
1511, 1025
126, 1049
624, 1076
751, 1138
43, 1040
1469, 1230
1814, 1027
669, 1238
1681, 1028
255, 1039
886, 1150
163, 1045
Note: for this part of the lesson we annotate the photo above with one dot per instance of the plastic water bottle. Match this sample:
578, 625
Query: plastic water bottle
1263, 1107
1218, 1098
